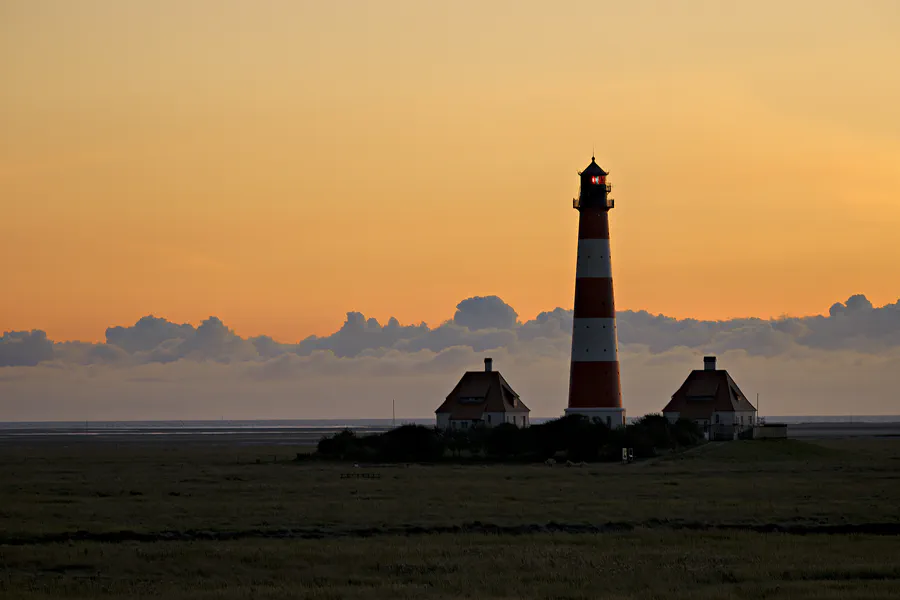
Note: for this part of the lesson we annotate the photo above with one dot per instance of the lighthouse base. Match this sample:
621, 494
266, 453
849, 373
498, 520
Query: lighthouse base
612, 417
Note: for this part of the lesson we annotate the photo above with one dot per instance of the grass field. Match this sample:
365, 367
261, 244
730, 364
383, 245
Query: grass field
193, 492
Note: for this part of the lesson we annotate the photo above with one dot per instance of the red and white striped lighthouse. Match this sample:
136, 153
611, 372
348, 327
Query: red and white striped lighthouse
594, 388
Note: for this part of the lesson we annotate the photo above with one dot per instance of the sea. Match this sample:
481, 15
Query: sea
306, 428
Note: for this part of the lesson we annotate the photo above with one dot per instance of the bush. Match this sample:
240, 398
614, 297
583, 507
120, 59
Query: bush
687, 433
414, 443
572, 435
456, 441
576, 437
504, 441
340, 445
639, 438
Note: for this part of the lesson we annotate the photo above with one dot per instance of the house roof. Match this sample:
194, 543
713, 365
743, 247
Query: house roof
705, 392
479, 392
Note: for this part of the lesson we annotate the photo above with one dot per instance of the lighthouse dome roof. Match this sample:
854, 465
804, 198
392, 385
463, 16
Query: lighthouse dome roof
593, 169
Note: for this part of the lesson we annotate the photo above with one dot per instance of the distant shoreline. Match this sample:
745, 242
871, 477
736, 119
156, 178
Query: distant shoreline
209, 424
307, 432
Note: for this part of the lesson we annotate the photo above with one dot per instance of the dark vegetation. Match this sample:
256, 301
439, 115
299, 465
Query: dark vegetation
573, 438
647, 565
217, 519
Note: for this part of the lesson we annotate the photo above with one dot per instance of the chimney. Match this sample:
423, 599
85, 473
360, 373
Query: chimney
709, 363
488, 365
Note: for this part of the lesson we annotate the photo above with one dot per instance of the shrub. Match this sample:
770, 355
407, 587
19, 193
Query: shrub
687, 433
656, 429
585, 439
504, 441
339, 445
456, 441
412, 443
575, 436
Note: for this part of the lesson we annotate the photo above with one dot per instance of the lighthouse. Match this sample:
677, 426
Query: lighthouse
594, 388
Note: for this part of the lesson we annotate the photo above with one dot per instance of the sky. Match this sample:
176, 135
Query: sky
280, 164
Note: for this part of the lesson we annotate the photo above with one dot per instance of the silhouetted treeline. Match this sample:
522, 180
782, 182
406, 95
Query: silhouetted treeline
573, 438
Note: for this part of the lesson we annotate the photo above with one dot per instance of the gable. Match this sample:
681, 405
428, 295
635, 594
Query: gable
739, 400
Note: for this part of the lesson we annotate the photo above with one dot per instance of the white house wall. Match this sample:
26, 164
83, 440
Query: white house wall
725, 418
443, 420
519, 418
735, 418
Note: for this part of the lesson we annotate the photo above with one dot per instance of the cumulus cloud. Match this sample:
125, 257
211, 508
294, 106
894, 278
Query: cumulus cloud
159, 369
24, 348
484, 324
358, 334
854, 324
854, 304
214, 341
485, 312
145, 335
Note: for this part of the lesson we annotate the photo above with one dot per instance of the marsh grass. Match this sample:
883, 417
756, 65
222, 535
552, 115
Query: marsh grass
97, 487
756, 451
642, 564
56, 488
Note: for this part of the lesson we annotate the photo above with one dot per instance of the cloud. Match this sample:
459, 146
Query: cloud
214, 341
358, 334
487, 323
848, 361
854, 304
24, 348
854, 324
153, 339
145, 335
485, 312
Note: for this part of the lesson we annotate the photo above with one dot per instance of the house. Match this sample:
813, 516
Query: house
712, 399
482, 398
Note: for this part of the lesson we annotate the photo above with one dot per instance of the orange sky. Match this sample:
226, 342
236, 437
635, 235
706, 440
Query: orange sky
279, 163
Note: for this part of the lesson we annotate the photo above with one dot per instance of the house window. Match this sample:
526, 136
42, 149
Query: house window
489, 419
717, 419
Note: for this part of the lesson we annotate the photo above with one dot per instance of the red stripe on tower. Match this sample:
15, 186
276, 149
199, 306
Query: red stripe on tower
594, 387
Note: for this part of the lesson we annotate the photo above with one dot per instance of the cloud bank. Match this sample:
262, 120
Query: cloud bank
845, 363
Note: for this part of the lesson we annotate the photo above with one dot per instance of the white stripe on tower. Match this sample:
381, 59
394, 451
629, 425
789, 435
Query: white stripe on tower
594, 340
593, 259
